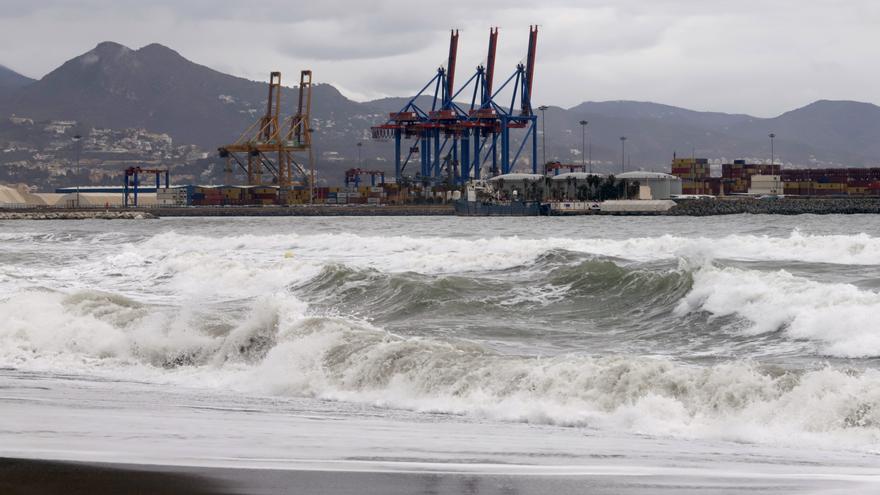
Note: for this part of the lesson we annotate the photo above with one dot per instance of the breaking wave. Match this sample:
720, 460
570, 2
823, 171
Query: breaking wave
276, 346
395, 322
439, 255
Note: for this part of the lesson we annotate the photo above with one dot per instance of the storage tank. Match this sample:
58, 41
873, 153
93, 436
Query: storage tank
662, 186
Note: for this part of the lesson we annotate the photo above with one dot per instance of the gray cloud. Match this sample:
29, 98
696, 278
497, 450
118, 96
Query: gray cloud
729, 55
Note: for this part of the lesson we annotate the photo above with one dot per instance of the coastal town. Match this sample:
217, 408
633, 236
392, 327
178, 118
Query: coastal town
60, 153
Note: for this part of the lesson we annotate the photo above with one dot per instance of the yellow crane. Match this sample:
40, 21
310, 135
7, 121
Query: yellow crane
268, 145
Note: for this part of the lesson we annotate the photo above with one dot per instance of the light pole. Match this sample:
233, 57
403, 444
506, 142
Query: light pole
772, 151
622, 154
584, 125
590, 153
359, 153
542, 108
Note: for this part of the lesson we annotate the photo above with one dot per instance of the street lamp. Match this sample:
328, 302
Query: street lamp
590, 152
622, 154
542, 108
584, 125
772, 151
359, 153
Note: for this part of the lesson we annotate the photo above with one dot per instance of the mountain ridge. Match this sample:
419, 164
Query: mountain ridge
157, 88
10, 79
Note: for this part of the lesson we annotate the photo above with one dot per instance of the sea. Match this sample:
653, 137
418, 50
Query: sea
727, 352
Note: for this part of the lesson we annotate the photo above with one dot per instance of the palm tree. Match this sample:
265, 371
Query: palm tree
593, 181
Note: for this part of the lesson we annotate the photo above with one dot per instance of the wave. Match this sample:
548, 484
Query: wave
371, 319
841, 317
276, 347
444, 255
550, 292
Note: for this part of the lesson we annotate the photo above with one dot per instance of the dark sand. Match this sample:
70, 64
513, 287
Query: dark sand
30, 477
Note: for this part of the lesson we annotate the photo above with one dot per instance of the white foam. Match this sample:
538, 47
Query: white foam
217, 312
735, 401
443, 254
277, 349
840, 318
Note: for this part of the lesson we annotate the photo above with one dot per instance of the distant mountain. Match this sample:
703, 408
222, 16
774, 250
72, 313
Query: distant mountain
11, 80
825, 133
848, 129
639, 110
156, 88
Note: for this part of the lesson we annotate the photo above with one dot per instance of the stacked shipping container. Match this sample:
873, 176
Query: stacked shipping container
832, 182
737, 176
694, 174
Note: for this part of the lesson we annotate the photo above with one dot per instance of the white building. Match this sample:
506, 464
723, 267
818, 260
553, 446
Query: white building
766, 185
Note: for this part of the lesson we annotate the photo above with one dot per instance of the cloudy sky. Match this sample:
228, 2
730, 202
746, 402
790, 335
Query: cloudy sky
761, 57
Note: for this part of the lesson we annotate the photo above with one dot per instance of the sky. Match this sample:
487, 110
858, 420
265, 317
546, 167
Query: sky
761, 57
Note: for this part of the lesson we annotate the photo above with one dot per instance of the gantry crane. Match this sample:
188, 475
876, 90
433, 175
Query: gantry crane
132, 182
353, 176
269, 144
555, 167
465, 132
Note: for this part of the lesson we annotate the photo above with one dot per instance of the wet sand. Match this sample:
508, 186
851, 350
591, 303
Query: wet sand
31, 477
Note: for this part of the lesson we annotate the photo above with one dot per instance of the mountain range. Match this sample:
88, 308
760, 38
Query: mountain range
11, 80
156, 88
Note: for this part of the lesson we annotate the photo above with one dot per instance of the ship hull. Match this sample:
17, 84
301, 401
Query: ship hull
512, 209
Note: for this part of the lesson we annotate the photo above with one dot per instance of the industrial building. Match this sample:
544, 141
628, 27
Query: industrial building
765, 185
20, 196
660, 185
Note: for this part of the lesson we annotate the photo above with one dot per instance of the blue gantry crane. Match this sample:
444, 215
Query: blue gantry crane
132, 182
456, 141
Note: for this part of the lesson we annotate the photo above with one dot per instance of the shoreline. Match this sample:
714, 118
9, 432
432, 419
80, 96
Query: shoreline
690, 208
779, 206
22, 476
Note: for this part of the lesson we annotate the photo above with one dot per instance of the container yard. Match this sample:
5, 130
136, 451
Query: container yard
741, 178
694, 175
737, 176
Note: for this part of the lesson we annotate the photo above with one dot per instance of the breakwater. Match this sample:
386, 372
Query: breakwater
46, 214
702, 207
779, 206
308, 211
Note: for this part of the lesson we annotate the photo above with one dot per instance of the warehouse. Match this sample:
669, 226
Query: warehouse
99, 200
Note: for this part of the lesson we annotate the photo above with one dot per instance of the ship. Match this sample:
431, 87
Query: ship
465, 208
